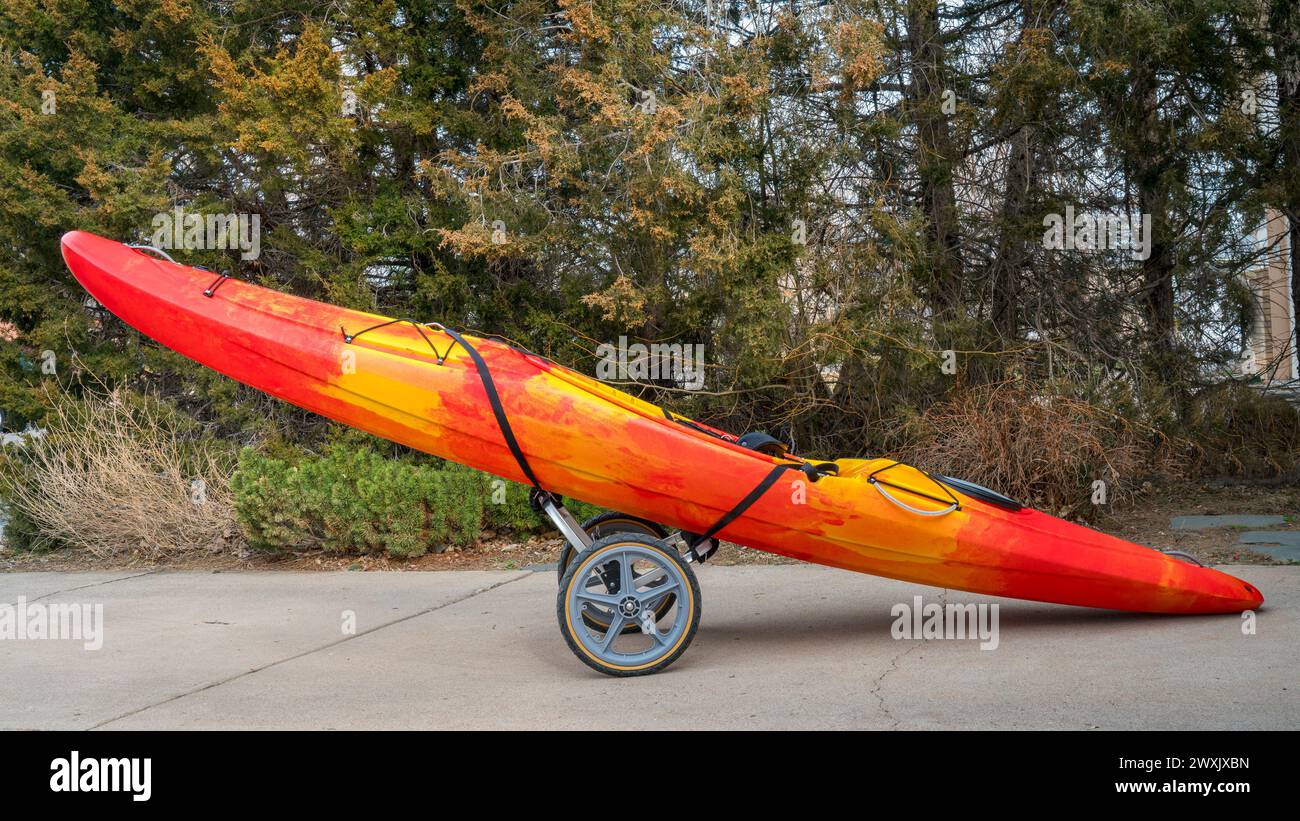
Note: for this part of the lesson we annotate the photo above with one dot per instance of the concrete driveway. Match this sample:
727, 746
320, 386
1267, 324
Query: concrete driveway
779, 647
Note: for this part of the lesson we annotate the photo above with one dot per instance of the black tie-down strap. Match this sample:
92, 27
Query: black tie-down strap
695, 540
484, 374
498, 410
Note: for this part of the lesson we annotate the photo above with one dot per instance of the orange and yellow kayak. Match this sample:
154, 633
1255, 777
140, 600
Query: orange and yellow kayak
583, 439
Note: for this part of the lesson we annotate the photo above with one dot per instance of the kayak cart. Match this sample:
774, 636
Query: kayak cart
629, 602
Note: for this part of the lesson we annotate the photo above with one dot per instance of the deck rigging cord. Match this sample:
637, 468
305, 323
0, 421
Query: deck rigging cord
485, 376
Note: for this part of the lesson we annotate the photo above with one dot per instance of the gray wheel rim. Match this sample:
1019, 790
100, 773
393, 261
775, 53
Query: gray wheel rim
648, 590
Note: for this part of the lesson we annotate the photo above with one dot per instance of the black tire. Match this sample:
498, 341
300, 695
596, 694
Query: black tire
607, 524
581, 568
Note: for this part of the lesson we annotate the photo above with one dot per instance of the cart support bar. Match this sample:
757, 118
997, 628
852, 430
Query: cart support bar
565, 523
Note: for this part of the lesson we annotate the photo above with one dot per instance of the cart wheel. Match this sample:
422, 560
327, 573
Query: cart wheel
598, 527
589, 596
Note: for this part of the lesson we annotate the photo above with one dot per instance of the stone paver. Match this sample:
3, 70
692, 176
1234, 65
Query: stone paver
1240, 520
1280, 544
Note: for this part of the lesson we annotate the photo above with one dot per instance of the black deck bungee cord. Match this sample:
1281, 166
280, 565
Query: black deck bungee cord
215, 284
952, 500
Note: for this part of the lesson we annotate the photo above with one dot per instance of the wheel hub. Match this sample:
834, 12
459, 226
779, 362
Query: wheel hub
629, 607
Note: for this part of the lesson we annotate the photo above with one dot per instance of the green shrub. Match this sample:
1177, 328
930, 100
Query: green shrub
21, 533
508, 508
354, 500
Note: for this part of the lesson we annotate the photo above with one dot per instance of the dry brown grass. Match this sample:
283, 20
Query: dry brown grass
1046, 450
1236, 431
118, 475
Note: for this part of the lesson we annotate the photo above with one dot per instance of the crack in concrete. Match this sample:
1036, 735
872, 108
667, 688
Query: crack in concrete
880, 680
916, 644
426, 611
92, 584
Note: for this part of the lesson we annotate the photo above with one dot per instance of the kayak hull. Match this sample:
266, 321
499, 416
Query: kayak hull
588, 441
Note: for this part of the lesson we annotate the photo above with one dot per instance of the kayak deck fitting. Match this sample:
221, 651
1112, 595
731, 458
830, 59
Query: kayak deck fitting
677, 485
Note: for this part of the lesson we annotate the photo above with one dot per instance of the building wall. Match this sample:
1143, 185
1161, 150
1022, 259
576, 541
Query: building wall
1271, 348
